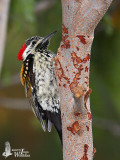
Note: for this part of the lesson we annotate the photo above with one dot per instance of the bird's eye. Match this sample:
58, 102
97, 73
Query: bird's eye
34, 42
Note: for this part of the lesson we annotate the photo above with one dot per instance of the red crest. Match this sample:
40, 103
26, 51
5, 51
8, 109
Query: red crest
19, 57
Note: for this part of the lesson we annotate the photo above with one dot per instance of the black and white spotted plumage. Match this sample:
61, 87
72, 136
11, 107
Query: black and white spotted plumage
41, 86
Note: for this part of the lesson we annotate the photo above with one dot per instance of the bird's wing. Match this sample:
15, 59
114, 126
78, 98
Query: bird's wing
29, 84
47, 93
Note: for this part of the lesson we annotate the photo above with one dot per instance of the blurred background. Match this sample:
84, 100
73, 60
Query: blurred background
18, 124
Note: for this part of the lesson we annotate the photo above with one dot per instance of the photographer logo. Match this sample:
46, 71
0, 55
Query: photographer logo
7, 150
14, 152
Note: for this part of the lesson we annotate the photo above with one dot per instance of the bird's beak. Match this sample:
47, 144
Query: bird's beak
47, 38
42, 42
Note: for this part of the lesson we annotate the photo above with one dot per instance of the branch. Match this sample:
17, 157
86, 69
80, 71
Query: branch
43, 5
107, 124
12, 103
4, 7
23, 104
13, 80
80, 18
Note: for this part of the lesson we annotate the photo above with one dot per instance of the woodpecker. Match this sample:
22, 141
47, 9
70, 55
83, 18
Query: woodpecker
38, 78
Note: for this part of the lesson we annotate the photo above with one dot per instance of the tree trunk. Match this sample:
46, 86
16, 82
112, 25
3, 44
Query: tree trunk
4, 6
72, 64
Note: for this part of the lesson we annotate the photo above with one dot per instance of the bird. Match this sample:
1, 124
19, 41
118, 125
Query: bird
38, 78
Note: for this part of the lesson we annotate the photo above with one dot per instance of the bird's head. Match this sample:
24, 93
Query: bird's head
33, 45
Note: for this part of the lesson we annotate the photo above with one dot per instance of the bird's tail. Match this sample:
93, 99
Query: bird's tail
56, 120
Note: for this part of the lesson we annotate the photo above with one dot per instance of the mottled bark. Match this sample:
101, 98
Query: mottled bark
72, 64
4, 6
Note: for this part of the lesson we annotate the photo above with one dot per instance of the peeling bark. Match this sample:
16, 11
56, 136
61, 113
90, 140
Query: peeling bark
72, 64
4, 6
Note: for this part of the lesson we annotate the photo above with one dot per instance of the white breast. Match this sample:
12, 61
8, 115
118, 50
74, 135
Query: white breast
45, 81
